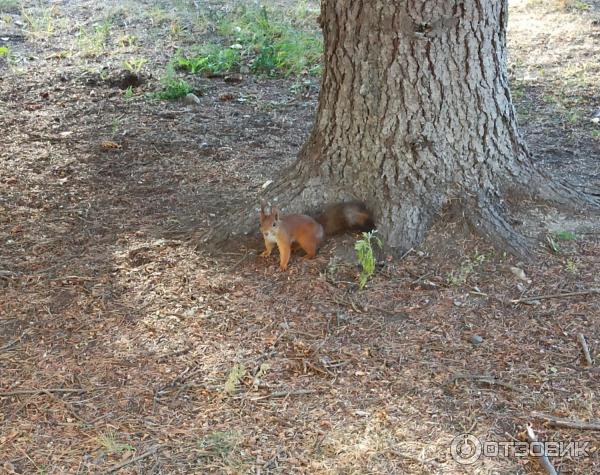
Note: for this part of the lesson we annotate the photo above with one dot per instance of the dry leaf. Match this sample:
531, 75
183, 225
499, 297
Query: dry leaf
520, 274
109, 145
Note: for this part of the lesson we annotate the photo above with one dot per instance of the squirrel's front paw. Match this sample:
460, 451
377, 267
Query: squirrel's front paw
265, 253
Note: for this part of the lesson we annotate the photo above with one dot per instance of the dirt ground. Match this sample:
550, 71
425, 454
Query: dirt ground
124, 348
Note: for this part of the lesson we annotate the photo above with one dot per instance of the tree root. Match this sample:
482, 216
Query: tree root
545, 189
485, 218
404, 224
292, 193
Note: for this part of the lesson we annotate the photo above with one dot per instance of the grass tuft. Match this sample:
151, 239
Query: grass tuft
10, 6
173, 87
264, 41
110, 442
212, 59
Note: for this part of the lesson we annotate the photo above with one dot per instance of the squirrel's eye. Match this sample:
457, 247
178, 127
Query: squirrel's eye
274, 224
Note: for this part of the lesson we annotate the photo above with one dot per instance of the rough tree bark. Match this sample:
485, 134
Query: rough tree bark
414, 115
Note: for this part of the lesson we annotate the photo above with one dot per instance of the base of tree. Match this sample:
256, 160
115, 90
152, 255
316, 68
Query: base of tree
405, 224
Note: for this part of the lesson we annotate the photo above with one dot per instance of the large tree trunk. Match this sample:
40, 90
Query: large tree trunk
415, 114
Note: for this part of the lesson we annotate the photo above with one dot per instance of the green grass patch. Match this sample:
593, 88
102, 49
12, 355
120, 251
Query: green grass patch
4, 51
264, 41
109, 441
40, 21
565, 235
10, 6
134, 65
219, 443
212, 59
93, 42
173, 87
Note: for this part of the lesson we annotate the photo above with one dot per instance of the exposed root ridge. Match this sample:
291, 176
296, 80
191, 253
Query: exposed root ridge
548, 190
488, 221
292, 192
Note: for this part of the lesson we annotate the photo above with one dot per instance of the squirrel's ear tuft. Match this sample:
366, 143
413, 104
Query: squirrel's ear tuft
275, 212
262, 209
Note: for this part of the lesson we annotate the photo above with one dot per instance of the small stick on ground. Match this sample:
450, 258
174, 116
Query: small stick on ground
584, 347
299, 392
119, 466
540, 451
19, 392
9, 344
556, 296
568, 423
273, 459
241, 261
482, 378
69, 406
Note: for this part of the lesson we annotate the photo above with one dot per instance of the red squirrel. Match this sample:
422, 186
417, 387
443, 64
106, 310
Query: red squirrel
285, 230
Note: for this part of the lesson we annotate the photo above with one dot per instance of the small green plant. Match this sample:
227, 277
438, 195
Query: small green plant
128, 93
127, 40
219, 443
467, 266
212, 59
552, 239
115, 126
235, 376
93, 42
565, 235
4, 51
109, 441
552, 244
366, 256
134, 65
173, 87
40, 21
571, 266
573, 117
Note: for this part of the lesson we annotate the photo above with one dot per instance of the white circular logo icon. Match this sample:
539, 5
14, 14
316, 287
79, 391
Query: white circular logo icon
465, 449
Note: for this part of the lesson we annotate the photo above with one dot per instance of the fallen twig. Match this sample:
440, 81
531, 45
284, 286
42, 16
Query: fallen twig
74, 278
71, 409
569, 423
273, 459
119, 466
584, 347
9, 344
540, 451
482, 378
298, 392
556, 296
19, 392
241, 261
349, 303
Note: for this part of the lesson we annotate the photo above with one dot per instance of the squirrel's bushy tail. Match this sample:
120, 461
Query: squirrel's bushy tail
348, 216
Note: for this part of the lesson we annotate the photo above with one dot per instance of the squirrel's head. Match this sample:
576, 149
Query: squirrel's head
269, 222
